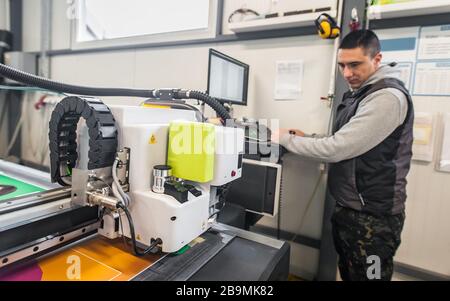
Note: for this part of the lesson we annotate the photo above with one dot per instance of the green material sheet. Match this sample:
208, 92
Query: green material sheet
22, 188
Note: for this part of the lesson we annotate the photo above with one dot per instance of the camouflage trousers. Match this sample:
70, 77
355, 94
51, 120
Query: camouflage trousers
366, 244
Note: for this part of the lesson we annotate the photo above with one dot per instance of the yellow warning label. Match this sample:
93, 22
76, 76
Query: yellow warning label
145, 105
152, 140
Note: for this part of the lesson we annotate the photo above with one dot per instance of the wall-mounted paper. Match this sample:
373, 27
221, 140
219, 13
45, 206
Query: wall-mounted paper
434, 43
399, 44
432, 79
403, 73
443, 163
423, 146
289, 76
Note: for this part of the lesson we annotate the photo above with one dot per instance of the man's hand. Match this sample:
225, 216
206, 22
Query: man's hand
277, 134
296, 132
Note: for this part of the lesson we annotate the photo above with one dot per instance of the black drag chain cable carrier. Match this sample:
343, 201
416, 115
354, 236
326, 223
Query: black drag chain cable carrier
63, 134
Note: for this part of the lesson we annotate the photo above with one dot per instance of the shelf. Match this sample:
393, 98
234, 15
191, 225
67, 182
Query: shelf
408, 9
282, 22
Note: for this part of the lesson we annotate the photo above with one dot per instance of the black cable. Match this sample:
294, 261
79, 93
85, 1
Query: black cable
101, 213
44, 83
154, 244
123, 233
60, 180
163, 94
210, 101
222, 193
177, 104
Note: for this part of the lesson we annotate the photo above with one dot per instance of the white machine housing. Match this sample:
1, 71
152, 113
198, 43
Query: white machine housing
145, 132
229, 154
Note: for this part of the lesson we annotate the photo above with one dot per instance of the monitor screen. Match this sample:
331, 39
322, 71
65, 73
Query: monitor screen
227, 78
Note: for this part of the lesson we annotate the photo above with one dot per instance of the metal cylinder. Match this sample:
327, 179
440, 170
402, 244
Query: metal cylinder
5, 45
123, 166
102, 200
161, 173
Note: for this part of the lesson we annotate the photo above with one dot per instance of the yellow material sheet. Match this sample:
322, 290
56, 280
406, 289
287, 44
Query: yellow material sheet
96, 259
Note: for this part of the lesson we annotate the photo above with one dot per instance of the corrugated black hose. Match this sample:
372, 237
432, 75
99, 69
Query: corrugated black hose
165, 94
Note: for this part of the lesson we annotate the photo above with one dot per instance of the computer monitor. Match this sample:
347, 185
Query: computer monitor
227, 78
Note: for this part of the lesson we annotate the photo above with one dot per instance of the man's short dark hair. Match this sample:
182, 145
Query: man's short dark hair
365, 39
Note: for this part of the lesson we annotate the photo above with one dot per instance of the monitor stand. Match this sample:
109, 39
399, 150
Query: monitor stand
202, 108
229, 108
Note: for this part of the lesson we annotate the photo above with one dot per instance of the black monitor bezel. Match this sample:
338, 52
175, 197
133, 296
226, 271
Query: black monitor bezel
234, 61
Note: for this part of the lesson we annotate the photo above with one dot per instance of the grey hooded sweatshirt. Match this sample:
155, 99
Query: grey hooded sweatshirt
377, 116
370, 147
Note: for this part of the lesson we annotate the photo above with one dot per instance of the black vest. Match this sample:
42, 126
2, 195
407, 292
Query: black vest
374, 182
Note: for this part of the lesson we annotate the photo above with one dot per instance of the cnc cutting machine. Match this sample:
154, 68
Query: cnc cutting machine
155, 175
150, 174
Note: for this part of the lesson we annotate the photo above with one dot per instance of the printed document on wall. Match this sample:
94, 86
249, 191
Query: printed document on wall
432, 78
289, 77
434, 43
399, 44
403, 72
423, 145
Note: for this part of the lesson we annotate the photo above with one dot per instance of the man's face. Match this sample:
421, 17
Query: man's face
357, 66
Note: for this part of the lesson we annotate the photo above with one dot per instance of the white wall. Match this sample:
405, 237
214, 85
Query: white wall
60, 24
31, 30
3, 19
425, 238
